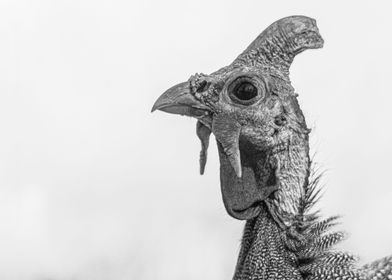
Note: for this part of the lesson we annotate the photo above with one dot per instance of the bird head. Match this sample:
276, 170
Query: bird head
251, 109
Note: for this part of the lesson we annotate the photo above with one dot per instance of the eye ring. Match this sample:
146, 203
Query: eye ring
244, 90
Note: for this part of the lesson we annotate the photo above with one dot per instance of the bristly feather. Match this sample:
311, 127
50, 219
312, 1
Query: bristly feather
312, 190
313, 244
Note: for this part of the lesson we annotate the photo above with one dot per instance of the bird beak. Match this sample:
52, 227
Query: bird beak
179, 100
238, 180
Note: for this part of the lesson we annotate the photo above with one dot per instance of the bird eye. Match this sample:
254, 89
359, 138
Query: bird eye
243, 91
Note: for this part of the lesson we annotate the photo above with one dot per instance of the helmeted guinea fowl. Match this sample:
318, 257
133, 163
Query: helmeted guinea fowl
251, 108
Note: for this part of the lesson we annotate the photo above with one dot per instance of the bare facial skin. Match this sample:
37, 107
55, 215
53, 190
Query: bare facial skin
252, 110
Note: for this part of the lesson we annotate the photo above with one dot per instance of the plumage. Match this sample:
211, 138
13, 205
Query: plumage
266, 173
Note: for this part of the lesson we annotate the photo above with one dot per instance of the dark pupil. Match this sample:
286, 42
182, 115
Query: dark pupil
245, 91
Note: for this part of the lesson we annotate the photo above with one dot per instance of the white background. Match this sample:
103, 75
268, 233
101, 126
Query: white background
93, 186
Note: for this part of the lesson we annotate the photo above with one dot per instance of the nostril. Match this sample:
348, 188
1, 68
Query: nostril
203, 86
280, 120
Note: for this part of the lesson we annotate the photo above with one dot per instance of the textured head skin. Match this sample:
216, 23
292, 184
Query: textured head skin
251, 108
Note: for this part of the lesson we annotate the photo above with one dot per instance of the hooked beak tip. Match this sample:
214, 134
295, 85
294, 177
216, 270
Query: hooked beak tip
179, 100
162, 102
169, 97
154, 108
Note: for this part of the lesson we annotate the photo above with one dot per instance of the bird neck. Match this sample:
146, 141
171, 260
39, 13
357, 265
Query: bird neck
292, 170
263, 253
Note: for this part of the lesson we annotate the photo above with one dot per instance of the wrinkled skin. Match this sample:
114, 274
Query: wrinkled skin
252, 110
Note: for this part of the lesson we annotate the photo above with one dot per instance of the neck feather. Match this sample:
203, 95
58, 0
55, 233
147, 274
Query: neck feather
287, 240
263, 253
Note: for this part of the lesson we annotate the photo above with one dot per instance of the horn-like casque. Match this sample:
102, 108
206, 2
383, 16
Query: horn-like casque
278, 44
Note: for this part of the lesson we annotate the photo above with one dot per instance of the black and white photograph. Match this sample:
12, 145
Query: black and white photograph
197, 140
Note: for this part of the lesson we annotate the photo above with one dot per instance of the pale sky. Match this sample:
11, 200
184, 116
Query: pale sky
95, 187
